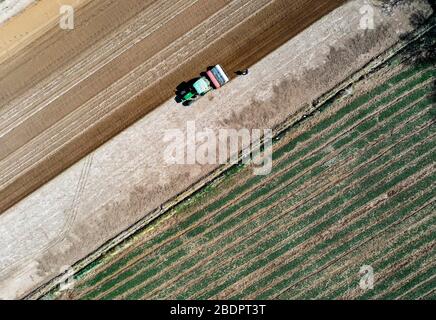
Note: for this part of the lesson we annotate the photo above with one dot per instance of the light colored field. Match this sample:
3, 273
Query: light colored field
352, 185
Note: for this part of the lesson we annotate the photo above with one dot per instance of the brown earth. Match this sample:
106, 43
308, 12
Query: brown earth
54, 112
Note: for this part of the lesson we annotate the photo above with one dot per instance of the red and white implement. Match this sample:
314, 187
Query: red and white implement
217, 76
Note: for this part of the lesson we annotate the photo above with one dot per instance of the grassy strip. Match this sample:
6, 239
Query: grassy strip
209, 190
384, 263
424, 283
277, 213
399, 275
304, 208
336, 239
345, 273
329, 222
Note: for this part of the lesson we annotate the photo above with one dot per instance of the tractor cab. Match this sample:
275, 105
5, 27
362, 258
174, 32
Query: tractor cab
202, 86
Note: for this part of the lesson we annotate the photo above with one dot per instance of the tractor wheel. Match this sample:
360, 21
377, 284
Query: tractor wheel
188, 103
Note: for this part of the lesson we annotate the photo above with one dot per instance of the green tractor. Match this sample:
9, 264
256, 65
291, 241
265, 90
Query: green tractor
214, 78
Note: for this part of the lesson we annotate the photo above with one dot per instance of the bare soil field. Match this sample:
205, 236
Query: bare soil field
352, 185
67, 92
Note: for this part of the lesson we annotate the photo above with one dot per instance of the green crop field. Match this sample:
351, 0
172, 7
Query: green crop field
352, 185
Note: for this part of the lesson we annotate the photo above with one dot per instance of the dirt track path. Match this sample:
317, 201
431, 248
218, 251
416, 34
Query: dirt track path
53, 113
